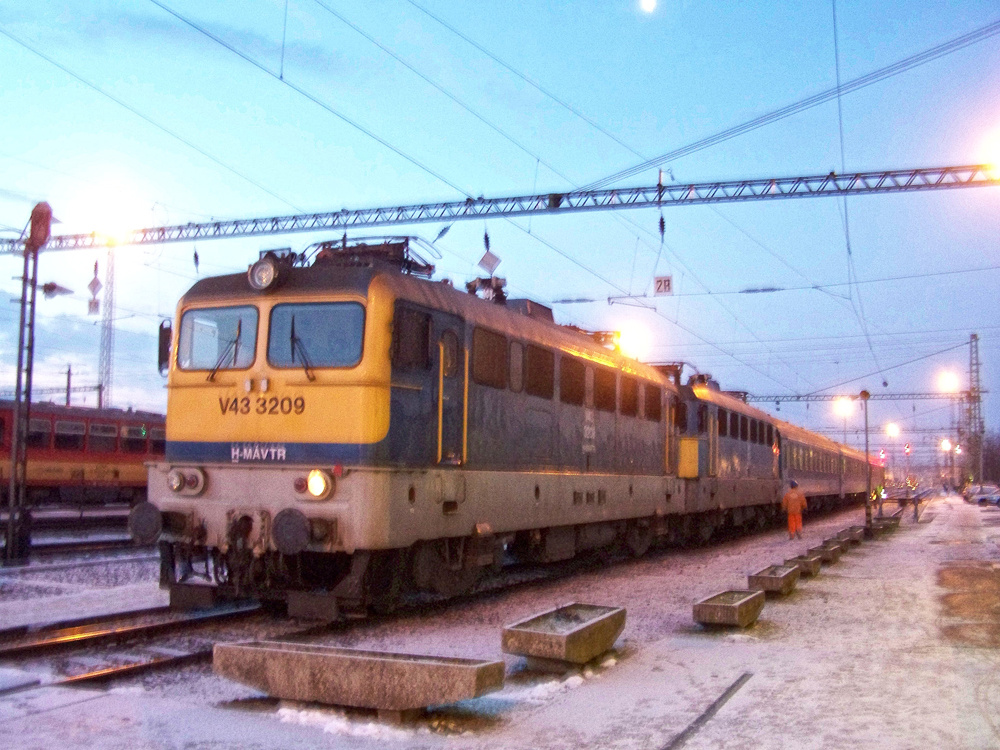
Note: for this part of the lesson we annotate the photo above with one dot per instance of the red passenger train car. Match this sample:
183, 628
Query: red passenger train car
83, 455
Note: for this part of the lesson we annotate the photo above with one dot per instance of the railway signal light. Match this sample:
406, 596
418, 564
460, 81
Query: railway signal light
906, 449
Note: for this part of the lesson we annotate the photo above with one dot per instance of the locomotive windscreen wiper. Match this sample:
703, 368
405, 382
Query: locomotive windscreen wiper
234, 347
298, 346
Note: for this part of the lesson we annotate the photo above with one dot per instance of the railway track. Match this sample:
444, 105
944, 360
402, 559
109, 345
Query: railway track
140, 655
78, 546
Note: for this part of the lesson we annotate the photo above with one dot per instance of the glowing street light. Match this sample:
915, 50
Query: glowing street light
946, 445
949, 382
843, 407
892, 430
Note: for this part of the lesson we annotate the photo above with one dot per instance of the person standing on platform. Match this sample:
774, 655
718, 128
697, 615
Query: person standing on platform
793, 503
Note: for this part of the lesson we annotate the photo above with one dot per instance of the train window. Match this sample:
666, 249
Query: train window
70, 435
3, 433
723, 423
133, 439
516, 366
102, 437
157, 440
223, 338
770, 435
753, 430
489, 358
630, 396
734, 425
316, 334
39, 433
411, 339
653, 403
681, 417
744, 428
449, 354
605, 389
572, 380
540, 375
702, 419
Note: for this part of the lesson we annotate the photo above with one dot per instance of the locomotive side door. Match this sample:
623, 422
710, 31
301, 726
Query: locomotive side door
452, 373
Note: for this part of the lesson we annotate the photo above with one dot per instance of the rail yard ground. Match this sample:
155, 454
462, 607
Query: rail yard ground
897, 646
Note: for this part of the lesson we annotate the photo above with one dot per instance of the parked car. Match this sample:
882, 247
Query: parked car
986, 494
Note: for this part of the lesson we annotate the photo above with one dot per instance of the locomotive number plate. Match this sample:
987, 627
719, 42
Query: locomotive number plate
264, 405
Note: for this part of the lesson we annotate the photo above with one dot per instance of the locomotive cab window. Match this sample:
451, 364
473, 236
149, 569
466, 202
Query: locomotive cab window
572, 381
218, 338
316, 334
605, 391
540, 372
653, 405
489, 358
449, 354
411, 339
70, 435
681, 417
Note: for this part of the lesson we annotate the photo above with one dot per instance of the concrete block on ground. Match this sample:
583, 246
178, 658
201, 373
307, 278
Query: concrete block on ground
834, 542
853, 535
776, 579
737, 608
387, 682
830, 554
809, 565
574, 633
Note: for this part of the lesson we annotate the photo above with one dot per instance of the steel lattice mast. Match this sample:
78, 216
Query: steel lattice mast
106, 376
859, 183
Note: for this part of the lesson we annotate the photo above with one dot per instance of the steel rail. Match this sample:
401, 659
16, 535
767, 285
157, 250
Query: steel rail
831, 184
41, 627
90, 635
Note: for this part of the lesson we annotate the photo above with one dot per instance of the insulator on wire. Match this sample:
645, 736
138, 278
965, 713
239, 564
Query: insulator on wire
486, 239
196, 260
663, 226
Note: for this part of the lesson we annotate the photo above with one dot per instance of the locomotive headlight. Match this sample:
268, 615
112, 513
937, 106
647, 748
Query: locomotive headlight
319, 484
263, 273
176, 480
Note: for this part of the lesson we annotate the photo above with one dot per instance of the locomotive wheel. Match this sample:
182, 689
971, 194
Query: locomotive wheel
385, 581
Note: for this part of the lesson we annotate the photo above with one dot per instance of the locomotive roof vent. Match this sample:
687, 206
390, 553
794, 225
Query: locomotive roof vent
391, 251
532, 309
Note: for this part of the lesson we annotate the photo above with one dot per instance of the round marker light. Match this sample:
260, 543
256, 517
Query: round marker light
263, 273
319, 484
176, 480
300, 484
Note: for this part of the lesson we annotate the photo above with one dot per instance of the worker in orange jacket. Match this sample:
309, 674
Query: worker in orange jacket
793, 503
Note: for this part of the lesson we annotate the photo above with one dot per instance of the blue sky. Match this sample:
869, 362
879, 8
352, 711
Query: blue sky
217, 137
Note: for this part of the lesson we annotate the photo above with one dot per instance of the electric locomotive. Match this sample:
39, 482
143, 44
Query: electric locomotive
342, 429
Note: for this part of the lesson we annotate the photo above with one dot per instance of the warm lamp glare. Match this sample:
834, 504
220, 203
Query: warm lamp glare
634, 341
892, 430
648, 6
948, 382
843, 407
946, 445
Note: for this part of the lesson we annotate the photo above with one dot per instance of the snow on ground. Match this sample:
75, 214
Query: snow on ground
863, 654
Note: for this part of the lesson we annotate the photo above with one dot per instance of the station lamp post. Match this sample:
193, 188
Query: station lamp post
864, 396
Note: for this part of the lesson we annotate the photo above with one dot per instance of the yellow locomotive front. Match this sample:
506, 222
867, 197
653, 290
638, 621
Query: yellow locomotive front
278, 385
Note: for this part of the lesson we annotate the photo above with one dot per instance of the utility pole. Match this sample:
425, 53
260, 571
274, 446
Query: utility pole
106, 375
18, 541
864, 396
974, 413
69, 382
